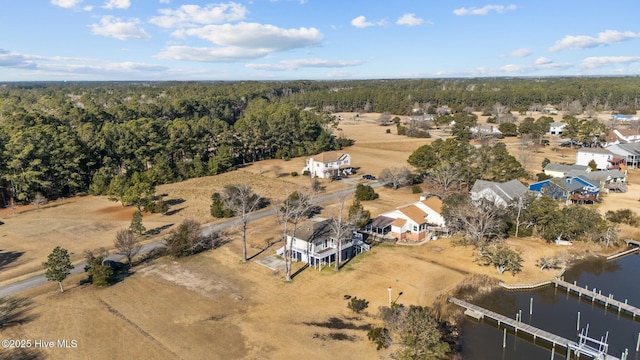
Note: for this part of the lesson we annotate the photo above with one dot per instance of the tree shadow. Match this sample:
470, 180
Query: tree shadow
299, 271
158, 230
22, 354
15, 311
173, 202
173, 212
269, 244
7, 257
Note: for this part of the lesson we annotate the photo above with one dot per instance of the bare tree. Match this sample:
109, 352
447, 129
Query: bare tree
481, 220
39, 200
499, 111
444, 180
293, 209
340, 229
242, 201
385, 119
574, 108
396, 176
277, 169
526, 150
127, 244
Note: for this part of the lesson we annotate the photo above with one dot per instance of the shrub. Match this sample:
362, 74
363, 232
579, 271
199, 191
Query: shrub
623, 216
357, 305
306, 173
217, 207
380, 336
416, 189
99, 274
294, 173
365, 192
188, 240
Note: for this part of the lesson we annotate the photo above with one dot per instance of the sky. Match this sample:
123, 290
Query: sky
132, 40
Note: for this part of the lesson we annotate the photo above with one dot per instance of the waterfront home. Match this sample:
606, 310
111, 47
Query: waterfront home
501, 194
315, 243
418, 221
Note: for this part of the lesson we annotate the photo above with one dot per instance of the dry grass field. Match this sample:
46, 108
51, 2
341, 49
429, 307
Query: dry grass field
213, 306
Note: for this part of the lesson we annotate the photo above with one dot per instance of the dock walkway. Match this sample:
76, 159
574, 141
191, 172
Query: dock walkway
531, 330
606, 301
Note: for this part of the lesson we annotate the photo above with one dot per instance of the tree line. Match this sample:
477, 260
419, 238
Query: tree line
58, 139
61, 140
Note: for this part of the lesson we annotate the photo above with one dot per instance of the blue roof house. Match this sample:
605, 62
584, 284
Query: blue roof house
579, 189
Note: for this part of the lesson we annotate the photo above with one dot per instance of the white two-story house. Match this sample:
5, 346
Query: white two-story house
315, 243
328, 164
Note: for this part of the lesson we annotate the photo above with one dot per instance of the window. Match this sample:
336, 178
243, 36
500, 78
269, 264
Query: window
415, 228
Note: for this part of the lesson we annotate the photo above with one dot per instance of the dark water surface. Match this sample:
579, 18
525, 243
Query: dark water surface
556, 312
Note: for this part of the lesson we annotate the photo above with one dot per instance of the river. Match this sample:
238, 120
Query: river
557, 312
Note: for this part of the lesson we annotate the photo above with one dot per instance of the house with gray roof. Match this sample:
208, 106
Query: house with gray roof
315, 243
561, 170
629, 152
501, 194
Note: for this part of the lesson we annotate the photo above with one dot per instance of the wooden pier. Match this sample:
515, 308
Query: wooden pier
596, 295
535, 332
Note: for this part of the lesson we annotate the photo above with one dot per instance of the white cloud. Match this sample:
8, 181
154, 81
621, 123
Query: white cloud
255, 36
603, 61
208, 54
540, 64
361, 22
193, 15
65, 66
607, 37
87, 8
117, 4
500, 9
304, 63
119, 29
543, 61
164, 1
409, 20
67, 4
520, 52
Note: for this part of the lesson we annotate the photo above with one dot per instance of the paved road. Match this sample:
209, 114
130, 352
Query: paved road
38, 280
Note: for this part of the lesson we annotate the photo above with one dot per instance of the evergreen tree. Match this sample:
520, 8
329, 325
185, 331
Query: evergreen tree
136, 223
58, 266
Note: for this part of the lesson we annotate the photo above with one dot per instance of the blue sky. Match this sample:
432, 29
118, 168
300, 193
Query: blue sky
315, 39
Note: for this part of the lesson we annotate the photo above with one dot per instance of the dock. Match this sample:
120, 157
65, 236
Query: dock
537, 333
596, 296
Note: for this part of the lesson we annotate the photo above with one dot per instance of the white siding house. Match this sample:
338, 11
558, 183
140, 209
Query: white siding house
315, 244
602, 157
556, 128
328, 164
419, 221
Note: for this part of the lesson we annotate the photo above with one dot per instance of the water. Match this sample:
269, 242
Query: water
557, 312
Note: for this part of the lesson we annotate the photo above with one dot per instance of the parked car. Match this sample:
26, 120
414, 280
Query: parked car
570, 143
545, 142
368, 177
336, 177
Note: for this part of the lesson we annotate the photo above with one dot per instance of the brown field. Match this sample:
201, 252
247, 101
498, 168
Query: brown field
212, 306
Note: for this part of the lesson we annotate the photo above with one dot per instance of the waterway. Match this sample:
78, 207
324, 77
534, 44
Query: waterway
556, 311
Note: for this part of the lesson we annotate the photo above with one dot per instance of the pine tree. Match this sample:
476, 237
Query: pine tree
136, 223
58, 266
